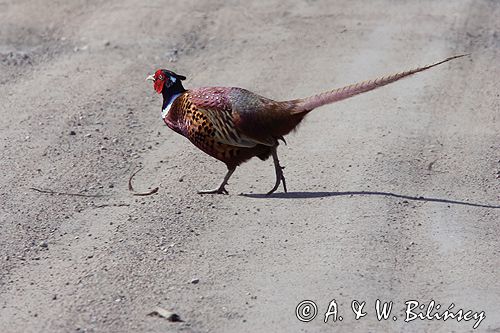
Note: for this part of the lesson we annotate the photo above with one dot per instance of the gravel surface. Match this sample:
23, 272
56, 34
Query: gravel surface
394, 194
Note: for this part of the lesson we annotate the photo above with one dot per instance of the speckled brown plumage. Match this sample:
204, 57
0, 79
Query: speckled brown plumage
234, 124
217, 121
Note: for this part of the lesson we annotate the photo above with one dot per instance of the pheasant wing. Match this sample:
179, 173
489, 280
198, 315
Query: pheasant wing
241, 118
223, 118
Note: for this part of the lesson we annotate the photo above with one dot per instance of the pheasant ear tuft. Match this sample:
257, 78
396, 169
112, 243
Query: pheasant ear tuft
173, 74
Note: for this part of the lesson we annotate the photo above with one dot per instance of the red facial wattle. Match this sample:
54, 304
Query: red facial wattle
159, 85
159, 81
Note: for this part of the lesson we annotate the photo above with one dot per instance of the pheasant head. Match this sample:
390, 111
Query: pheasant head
166, 81
168, 84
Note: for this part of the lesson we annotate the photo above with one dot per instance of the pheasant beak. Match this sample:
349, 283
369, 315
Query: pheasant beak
150, 78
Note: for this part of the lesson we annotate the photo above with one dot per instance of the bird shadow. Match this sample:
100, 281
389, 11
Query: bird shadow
311, 195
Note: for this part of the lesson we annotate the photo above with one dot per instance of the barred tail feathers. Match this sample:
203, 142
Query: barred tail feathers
309, 103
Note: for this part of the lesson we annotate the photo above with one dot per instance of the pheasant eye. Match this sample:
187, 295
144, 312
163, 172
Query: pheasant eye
160, 77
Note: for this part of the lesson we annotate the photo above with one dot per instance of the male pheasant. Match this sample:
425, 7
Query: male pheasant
234, 124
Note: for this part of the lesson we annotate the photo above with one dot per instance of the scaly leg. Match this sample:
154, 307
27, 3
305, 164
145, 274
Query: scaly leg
222, 188
279, 172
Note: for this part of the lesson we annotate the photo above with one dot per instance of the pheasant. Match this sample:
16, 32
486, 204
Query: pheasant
234, 124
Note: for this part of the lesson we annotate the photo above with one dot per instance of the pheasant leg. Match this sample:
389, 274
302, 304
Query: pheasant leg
280, 178
222, 188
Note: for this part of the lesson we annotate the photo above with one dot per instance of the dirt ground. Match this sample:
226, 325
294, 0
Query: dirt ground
394, 194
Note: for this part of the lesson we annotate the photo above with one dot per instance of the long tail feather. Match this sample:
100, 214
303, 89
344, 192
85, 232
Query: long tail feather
310, 103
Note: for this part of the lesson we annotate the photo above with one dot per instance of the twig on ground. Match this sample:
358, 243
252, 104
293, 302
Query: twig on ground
66, 193
131, 188
112, 205
430, 165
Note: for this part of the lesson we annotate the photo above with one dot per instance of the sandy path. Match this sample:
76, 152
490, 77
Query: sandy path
394, 194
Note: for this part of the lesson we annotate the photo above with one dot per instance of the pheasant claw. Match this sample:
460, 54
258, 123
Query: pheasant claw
220, 190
